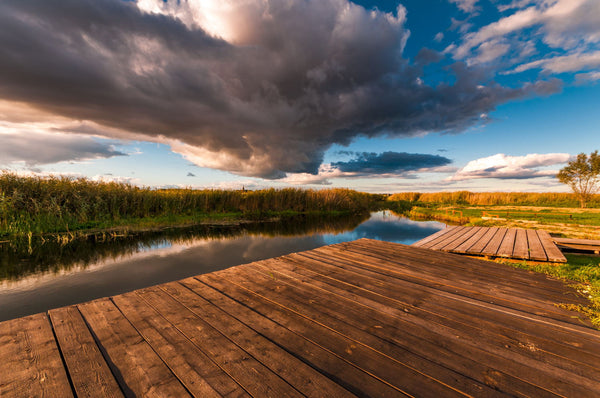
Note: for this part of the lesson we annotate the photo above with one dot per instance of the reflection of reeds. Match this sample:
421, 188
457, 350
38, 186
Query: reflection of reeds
35, 204
495, 198
21, 256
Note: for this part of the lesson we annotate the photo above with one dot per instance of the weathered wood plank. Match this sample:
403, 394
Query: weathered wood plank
478, 233
450, 247
402, 376
445, 281
30, 363
554, 254
478, 247
537, 252
494, 243
423, 242
248, 372
304, 297
339, 370
508, 243
460, 231
521, 248
139, 370
474, 269
374, 329
89, 372
584, 242
448, 234
301, 376
460, 318
193, 368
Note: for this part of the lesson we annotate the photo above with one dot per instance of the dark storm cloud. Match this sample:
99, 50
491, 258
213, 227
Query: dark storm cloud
301, 76
390, 163
42, 148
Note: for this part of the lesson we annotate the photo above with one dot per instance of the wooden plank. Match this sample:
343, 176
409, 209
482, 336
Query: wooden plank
542, 285
431, 237
474, 361
448, 233
465, 320
521, 248
457, 242
536, 250
464, 247
321, 358
583, 242
298, 374
431, 353
494, 243
478, 247
448, 282
402, 376
253, 376
450, 238
89, 372
193, 368
30, 362
139, 370
554, 254
508, 243
579, 244
372, 328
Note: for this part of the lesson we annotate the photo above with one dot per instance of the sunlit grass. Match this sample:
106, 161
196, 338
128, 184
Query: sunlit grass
549, 199
59, 204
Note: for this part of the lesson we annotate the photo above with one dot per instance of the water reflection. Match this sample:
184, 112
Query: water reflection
42, 276
25, 257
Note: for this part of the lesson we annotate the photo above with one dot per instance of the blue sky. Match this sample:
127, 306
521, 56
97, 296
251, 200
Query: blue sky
386, 96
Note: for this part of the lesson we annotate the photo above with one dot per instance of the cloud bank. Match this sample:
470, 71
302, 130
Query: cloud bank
567, 30
501, 166
257, 88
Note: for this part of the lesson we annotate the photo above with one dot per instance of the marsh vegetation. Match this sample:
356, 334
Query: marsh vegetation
36, 205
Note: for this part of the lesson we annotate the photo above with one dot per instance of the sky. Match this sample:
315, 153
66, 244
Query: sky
379, 96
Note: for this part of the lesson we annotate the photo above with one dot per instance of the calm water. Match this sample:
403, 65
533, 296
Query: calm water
37, 276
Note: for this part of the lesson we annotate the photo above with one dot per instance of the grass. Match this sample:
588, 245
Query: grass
546, 199
581, 272
35, 205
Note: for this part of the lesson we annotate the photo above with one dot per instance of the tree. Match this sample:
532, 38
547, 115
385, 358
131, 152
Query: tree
582, 175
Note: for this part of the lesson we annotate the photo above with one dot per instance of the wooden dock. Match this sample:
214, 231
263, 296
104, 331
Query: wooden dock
518, 243
364, 318
584, 245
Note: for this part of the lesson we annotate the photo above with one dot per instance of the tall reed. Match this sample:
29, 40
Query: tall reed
56, 204
496, 198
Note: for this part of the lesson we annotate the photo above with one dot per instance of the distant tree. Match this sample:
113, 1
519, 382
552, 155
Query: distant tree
582, 175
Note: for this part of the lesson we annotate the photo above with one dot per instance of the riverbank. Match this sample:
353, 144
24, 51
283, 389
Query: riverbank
41, 206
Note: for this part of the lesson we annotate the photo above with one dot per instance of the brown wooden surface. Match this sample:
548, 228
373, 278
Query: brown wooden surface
578, 244
89, 372
515, 243
363, 318
30, 363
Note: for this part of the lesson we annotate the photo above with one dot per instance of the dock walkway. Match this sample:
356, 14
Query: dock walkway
518, 243
364, 318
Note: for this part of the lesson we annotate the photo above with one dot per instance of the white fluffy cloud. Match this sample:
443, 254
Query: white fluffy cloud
501, 166
568, 26
465, 5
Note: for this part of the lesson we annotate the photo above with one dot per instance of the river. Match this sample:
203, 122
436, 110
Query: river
38, 275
